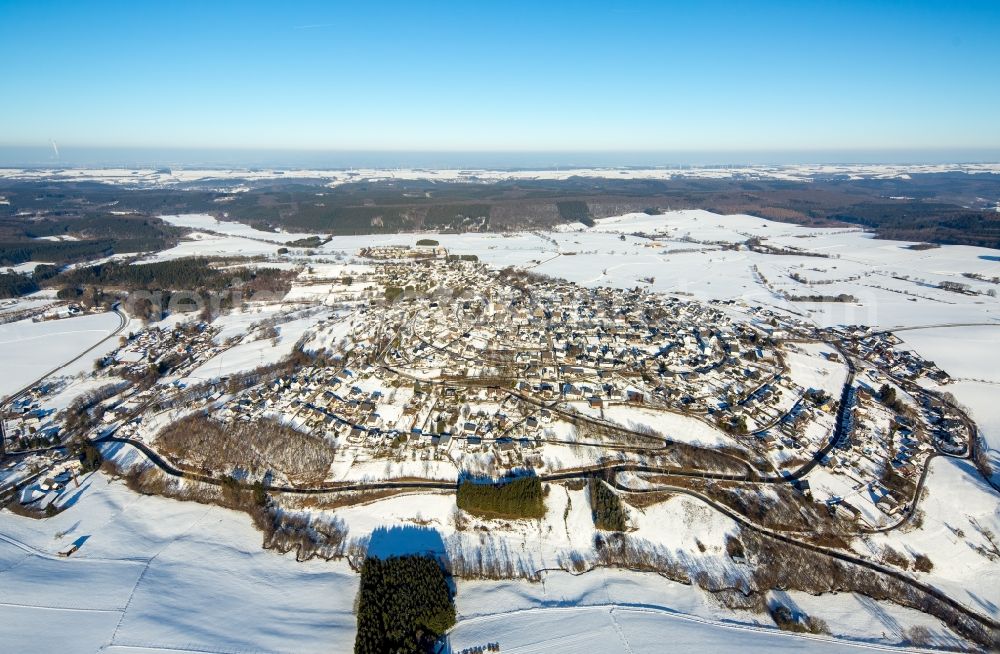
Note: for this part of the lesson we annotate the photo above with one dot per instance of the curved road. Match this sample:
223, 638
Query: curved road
609, 470
836, 554
588, 473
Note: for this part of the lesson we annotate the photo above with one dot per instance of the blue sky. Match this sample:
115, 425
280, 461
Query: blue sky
656, 76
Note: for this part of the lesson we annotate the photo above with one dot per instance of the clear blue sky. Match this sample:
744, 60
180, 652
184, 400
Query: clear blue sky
683, 76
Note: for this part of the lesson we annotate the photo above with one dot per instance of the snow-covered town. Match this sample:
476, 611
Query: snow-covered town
391, 371
521, 328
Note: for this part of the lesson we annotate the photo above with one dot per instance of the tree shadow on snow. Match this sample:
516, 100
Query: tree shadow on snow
480, 478
400, 540
75, 496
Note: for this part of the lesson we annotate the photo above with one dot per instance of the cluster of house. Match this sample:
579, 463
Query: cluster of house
445, 359
26, 423
565, 341
883, 443
385, 414
61, 311
42, 478
154, 345
879, 349
430, 250
462, 361
939, 420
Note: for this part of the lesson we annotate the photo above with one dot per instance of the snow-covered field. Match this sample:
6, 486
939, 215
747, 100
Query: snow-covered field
971, 355
158, 575
253, 354
618, 611
29, 349
894, 286
163, 575
853, 263
673, 426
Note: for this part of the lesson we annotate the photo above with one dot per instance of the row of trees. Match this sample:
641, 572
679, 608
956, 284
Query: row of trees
843, 297
404, 605
606, 507
16, 285
95, 235
518, 498
190, 273
14, 253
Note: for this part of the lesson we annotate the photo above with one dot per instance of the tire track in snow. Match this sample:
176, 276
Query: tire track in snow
618, 629
145, 569
669, 613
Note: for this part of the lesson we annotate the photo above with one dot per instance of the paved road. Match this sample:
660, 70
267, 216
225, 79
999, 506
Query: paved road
937, 326
836, 554
608, 471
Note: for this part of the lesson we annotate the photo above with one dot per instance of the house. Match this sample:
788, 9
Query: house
633, 396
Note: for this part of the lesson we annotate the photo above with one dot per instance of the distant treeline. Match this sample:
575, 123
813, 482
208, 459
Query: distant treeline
929, 223
94, 236
519, 498
936, 208
16, 285
404, 605
307, 242
149, 290
14, 253
188, 273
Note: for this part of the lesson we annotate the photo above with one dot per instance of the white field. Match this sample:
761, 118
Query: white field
25, 268
621, 611
205, 222
153, 574
673, 426
894, 286
252, 354
33, 301
958, 510
165, 575
29, 349
809, 369
971, 355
